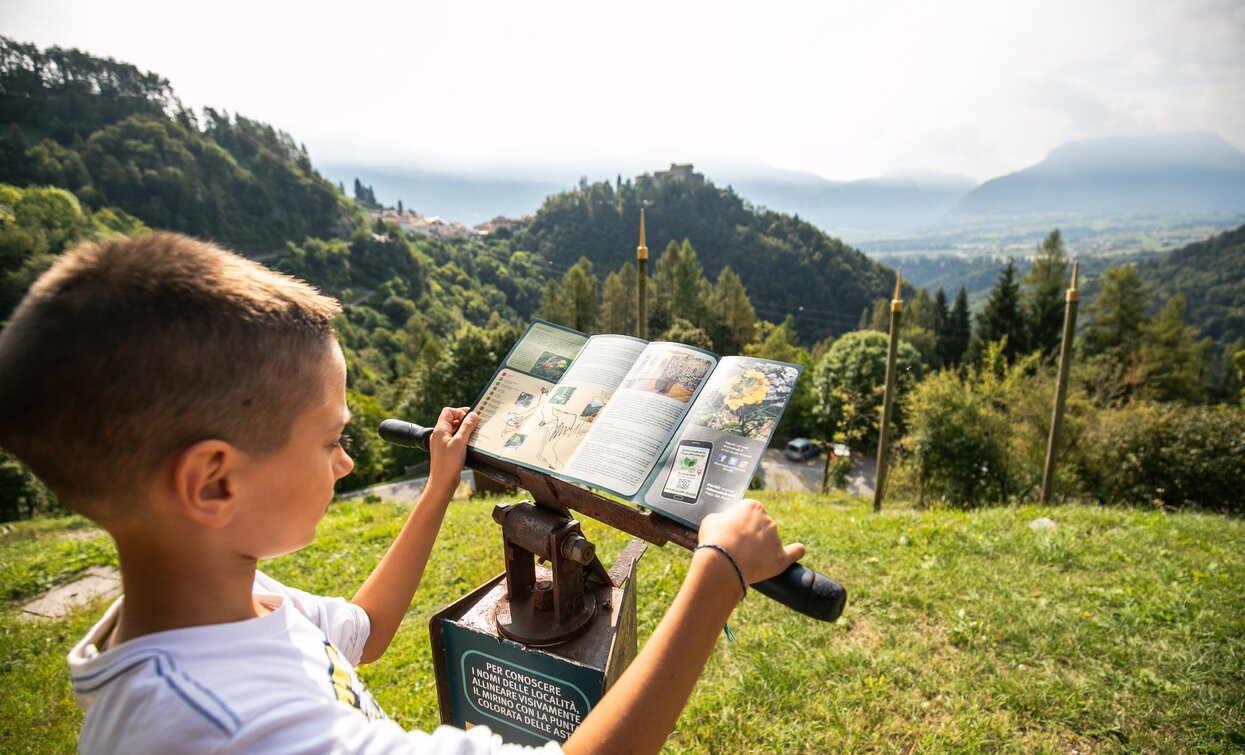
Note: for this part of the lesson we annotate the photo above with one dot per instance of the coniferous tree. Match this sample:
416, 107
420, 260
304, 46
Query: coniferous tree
778, 342
1173, 361
614, 306
679, 288
630, 277
1044, 296
917, 326
879, 316
1116, 316
15, 167
1114, 332
942, 324
659, 315
1238, 365
1001, 317
732, 319
866, 315
959, 330
579, 289
919, 310
364, 195
553, 304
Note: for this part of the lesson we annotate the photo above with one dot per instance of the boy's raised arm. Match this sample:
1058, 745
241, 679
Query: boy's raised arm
388, 591
640, 710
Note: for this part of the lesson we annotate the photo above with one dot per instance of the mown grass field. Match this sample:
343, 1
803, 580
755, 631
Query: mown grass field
1119, 631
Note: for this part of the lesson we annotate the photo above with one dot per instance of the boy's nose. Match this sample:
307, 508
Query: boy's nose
345, 465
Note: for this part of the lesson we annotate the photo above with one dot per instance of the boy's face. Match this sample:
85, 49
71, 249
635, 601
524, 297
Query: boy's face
288, 492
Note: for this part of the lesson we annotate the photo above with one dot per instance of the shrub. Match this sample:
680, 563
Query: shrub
1166, 455
981, 437
840, 470
958, 443
22, 495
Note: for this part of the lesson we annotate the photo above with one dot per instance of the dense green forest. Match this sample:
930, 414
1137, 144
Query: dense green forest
92, 148
1210, 275
118, 137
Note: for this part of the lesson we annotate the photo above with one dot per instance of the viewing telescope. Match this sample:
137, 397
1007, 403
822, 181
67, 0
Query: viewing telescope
798, 588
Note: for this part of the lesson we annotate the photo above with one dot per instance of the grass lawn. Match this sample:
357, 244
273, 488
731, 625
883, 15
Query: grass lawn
1119, 631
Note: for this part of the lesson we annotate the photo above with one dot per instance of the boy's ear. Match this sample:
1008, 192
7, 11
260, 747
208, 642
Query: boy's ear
204, 479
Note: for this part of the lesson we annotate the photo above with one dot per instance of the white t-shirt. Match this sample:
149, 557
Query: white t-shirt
280, 683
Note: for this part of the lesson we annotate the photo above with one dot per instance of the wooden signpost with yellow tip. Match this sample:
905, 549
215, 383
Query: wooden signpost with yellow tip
1061, 386
641, 259
889, 396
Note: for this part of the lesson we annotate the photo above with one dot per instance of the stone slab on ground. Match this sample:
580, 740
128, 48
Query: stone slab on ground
96, 582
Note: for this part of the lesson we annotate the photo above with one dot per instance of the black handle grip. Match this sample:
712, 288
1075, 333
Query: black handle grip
802, 589
799, 588
406, 434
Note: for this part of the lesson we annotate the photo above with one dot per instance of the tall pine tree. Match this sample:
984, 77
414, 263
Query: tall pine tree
959, 331
1001, 317
1114, 332
941, 326
618, 301
679, 287
1044, 294
732, 319
579, 287
1116, 316
1173, 361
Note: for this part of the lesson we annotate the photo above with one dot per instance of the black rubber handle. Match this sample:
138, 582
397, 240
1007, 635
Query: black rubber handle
406, 434
799, 588
802, 589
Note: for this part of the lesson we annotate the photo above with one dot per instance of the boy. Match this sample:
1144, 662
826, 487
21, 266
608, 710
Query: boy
191, 402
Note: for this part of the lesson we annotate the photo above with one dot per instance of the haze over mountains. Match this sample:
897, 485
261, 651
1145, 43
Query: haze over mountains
469, 198
1191, 172
1163, 173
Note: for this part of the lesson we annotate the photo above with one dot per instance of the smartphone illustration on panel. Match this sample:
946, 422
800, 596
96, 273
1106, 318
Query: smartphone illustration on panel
687, 470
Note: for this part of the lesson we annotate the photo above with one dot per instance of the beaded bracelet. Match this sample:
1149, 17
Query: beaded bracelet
729, 557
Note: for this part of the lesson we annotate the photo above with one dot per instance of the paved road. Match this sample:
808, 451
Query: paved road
407, 490
780, 473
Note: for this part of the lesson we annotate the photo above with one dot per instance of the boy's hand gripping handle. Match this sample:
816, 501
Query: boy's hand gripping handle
798, 588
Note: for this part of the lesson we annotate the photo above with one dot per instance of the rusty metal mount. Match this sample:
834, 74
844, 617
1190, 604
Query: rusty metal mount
556, 494
545, 612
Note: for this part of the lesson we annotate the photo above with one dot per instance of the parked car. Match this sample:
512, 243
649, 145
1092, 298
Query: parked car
801, 449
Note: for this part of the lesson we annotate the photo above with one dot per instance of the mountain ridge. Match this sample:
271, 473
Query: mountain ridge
1170, 172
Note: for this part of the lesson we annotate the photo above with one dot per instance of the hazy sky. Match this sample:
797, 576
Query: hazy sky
842, 89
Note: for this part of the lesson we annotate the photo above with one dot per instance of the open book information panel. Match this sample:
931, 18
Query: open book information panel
662, 425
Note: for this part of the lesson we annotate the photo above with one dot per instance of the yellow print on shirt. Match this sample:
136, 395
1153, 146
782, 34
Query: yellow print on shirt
347, 686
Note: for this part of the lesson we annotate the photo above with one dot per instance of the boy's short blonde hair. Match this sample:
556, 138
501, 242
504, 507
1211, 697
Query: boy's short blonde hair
127, 351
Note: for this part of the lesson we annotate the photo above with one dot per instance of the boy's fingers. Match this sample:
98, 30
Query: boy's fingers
467, 425
795, 552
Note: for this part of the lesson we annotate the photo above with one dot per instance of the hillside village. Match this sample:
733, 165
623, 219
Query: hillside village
432, 226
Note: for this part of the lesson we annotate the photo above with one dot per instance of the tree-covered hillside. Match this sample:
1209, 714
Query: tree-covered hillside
1210, 275
116, 136
786, 264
